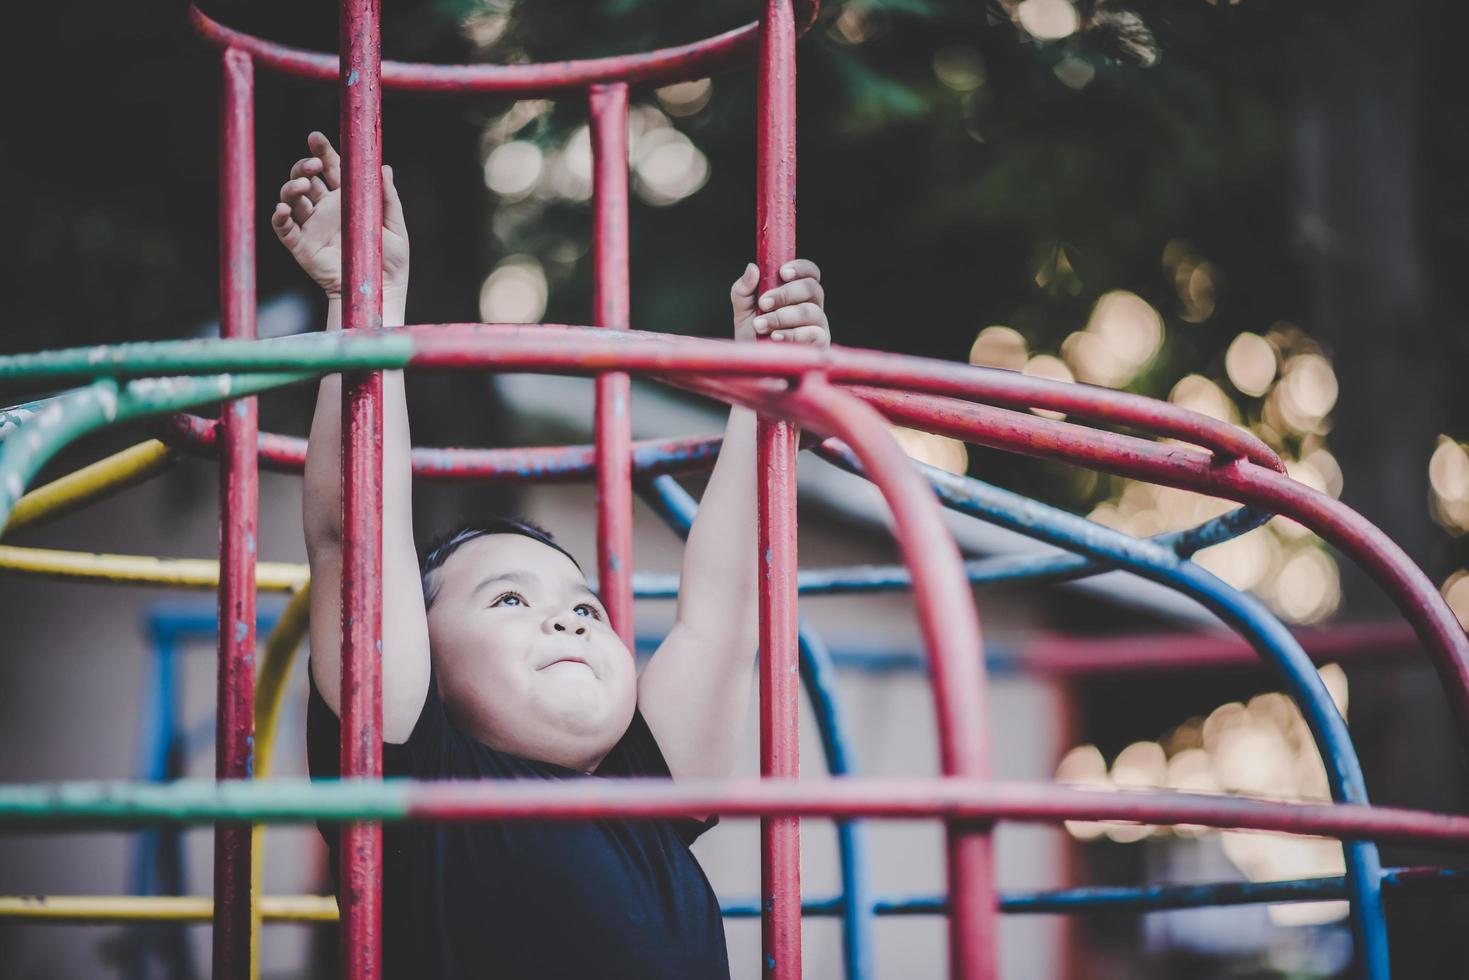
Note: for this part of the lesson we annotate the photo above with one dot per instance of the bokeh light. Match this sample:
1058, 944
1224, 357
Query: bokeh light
1448, 482
686, 98
1000, 347
512, 169
1052, 369
1308, 587
959, 67
667, 167
1121, 338
1251, 364
1048, 20
1455, 591
1262, 748
935, 450
515, 292
1306, 393
1197, 393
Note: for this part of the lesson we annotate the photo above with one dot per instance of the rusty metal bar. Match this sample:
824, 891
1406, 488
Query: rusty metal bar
775, 469
360, 888
613, 423
110, 805
950, 627
660, 67
239, 506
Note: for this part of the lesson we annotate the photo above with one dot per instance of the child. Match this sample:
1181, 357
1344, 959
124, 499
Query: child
498, 662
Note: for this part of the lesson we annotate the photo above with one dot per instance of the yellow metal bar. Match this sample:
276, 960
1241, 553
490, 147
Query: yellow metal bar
270, 690
121, 909
183, 573
275, 668
90, 483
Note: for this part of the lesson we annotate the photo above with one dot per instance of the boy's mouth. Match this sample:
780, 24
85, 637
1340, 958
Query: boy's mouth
568, 660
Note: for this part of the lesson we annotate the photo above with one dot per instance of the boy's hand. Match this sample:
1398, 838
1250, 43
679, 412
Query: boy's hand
308, 220
791, 312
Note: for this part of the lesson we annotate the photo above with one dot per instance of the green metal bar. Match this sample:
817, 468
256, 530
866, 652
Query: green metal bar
202, 801
73, 415
320, 353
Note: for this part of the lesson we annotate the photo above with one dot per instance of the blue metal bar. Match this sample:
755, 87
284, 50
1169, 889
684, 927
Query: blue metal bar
1245, 614
1148, 898
818, 675
1000, 570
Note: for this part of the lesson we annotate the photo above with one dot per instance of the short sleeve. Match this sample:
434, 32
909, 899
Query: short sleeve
638, 754
431, 739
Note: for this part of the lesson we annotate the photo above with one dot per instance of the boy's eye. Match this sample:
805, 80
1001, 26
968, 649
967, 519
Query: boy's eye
587, 609
509, 599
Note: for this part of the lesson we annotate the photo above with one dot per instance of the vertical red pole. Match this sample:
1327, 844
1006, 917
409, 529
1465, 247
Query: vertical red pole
238, 505
360, 889
775, 243
608, 106
950, 627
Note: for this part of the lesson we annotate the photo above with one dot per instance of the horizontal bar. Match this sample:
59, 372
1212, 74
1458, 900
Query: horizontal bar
112, 804
589, 350
313, 909
651, 457
184, 573
127, 909
90, 484
655, 457
661, 67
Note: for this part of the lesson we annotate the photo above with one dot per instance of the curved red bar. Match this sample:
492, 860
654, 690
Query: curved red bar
560, 348
661, 67
950, 626
911, 799
1190, 469
550, 464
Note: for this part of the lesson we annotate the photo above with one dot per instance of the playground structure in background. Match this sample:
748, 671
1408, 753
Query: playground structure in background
842, 400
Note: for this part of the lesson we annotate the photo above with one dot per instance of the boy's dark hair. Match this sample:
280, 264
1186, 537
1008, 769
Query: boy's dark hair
439, 549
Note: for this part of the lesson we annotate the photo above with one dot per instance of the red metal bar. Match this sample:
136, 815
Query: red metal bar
1156, 653
239, 499
661, 67
950, 627
1189, 469
574, 349
651, 457
608, 107
775, 468
360, 890
945, 798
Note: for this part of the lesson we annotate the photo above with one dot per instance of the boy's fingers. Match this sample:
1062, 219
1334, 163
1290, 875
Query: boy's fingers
309, 169
296, 193
331, 163
800, 291
742, 293
302, 209
306, 167
799, 269
801, 335
787, 317
285, 227
392, 204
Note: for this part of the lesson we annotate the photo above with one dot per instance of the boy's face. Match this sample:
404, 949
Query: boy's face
527, 661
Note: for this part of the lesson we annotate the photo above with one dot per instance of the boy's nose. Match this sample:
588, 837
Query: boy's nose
564, 623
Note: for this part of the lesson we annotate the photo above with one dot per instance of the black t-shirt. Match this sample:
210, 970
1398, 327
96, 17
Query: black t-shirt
521, 899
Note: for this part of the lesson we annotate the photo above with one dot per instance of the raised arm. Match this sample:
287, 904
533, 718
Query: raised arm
695, 691
308, 223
